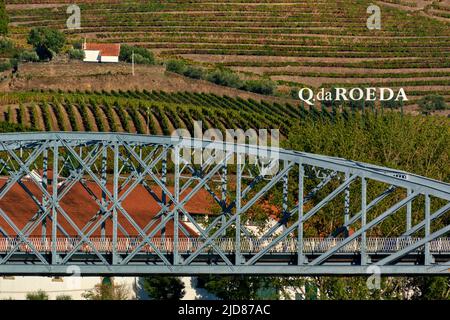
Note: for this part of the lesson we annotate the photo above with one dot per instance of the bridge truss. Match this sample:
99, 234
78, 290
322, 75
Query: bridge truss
271, 211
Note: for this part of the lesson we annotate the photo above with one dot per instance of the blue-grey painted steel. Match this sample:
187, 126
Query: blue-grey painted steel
131, 160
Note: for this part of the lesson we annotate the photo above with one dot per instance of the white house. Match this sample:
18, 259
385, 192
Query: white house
18, 287
101, 52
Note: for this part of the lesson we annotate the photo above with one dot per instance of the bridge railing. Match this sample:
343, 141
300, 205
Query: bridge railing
227, 245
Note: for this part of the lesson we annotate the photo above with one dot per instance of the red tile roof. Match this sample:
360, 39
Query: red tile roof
81, 207
106, 49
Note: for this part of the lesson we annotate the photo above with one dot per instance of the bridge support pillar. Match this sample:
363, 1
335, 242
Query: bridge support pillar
163, 193
115, 256
44, 198
363, 249
224, 196
301, 258
347, 201
428, 257
103, 201
55, 256
409, 211
176, 190
238, 257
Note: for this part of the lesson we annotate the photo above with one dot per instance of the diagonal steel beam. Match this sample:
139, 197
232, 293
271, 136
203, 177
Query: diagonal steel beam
33, 197
266, 188
366, 227
394, 257
421, 224
307, 216
371, 205
306, 199
86, 168
8, 185
179, 205
152, 233
54, 201
115, 204
22, 237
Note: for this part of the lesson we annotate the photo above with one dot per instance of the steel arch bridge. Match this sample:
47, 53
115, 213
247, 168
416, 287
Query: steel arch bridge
49, 238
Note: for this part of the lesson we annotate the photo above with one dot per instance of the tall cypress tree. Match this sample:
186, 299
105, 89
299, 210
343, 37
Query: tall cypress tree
3, 18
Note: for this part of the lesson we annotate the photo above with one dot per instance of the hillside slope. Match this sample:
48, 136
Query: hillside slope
295, 42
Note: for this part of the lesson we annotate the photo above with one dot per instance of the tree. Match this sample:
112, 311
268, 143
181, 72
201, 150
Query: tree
241, 287
107, 290
432, 102
38, 295
431, 288
46, 42
164, 288
4, 19
386, 140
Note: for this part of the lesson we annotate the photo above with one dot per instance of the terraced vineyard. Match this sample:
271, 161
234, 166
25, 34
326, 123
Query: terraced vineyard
294, 42
144, 112
434, 9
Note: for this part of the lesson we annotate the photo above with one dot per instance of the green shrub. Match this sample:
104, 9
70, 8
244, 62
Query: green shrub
432, 102
38, 295
221, 76
294, 93
264, 86
5, 65
78, 44
6, 47
107, 291
193, 72
138, 59
141, 55
26, 56
76, 54
224, 77
176, 66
